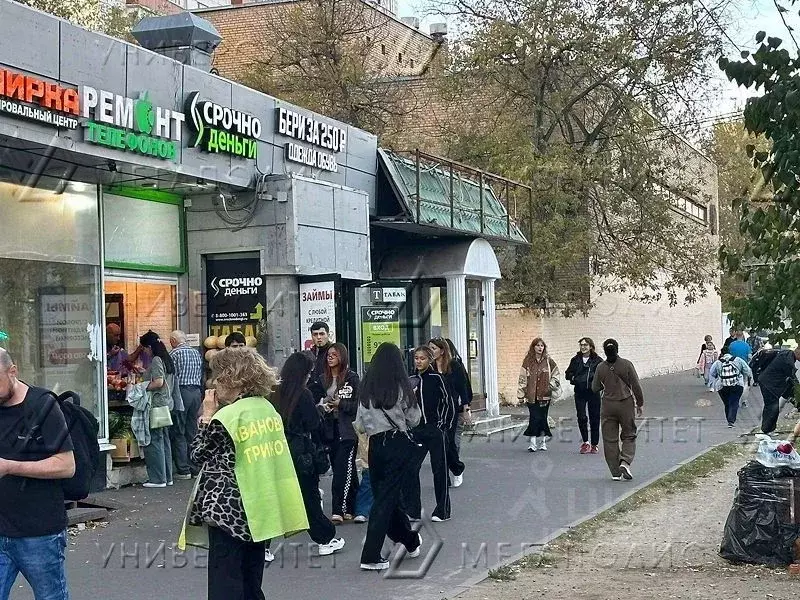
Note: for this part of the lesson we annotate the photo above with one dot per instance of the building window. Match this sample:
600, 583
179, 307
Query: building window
400, 57
383, 49
684, 204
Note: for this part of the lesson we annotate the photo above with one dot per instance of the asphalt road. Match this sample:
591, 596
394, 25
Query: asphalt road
511, 500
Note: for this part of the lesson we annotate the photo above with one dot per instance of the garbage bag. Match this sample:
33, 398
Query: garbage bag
776, 453
764, 522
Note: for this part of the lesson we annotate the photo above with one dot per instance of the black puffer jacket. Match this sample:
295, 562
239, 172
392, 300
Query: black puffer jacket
581, 375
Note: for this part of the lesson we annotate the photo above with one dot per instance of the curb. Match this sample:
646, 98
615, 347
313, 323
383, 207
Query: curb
453, 593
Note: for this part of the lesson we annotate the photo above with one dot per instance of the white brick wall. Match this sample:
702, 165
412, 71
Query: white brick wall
658, 338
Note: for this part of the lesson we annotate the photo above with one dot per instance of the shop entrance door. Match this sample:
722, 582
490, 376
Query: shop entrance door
134, 304
475, 343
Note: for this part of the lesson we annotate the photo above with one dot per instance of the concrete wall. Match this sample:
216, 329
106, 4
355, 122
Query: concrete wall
658, 338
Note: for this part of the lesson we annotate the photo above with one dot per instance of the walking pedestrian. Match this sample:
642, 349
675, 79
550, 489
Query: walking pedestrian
777, 380
728, 376
708, 355
33, 519
387, 410
189, 379
364, 497
341, 403
301, 422
465, 417
538, 381
160, 378
580, 374
622, 402
456, 380
434, 401
247, 491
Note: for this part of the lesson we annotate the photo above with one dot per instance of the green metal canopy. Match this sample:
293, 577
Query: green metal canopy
435, 193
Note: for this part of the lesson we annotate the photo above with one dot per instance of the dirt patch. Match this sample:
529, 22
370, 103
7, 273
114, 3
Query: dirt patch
665, 549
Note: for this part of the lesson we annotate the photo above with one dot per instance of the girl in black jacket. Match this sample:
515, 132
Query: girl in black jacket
580, 374
341, 403
457, 382
437, 413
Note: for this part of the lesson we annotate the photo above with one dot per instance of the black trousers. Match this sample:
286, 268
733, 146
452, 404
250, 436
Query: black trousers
587, 400
320, 528
345, 479
731, 395
772, 410
391, 458
454, 463
235, 568
433, 441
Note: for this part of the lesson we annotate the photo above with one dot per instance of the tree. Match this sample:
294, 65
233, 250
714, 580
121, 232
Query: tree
588, 101
770, 216
96, 15
727, 147
326, 55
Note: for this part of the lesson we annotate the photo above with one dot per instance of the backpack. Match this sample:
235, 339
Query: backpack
728, 373
760, 361
82, 427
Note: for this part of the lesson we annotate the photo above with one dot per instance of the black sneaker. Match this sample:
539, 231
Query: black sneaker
625, 469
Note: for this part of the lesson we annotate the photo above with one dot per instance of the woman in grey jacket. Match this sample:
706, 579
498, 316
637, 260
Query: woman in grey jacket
387, 411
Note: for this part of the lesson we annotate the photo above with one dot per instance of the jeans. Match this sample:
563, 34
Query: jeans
235, 568
730, 398
454, 463
364, 497
587, 400
158, 456
41, 562
184, 428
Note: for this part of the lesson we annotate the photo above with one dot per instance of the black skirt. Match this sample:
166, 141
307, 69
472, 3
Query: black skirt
537, 424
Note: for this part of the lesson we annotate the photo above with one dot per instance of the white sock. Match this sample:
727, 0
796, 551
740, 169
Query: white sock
533, 441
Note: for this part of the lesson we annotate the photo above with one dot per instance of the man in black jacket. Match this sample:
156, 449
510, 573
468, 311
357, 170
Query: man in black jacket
777, 379
320, 335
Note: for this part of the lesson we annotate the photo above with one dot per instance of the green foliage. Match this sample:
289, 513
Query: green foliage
770, 215
116, 21
583, 101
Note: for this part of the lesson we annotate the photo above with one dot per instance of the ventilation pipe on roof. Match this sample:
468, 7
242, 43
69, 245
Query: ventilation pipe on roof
184, 37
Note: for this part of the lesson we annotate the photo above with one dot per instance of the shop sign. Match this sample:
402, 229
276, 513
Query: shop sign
132, 125
379, 325
38, 100
395, 295
221, 129
317, 303
63, 321
319, 134
236, 293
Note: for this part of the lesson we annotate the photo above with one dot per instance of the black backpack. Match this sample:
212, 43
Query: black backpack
760, 361
83, 428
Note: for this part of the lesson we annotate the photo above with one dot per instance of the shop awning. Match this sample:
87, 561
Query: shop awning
439, 196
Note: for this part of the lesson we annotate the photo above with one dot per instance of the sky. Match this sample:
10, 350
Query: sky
745, 19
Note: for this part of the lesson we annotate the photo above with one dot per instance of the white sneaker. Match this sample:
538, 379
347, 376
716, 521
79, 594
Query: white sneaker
268, 556
543, 445
439, 519
625, 468
360, 519
416, 552
148, 484
458, 480
334, 545
382, 565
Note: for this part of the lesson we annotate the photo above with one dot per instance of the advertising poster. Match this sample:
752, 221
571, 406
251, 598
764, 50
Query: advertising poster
317, 303
64, 337
379, 324
236, 296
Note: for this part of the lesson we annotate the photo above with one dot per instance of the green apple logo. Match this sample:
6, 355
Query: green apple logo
143, 114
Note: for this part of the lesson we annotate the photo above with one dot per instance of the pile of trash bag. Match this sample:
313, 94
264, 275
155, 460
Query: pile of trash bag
763, 526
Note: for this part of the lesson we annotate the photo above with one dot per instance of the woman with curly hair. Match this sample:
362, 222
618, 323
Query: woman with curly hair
247, 491
538, 380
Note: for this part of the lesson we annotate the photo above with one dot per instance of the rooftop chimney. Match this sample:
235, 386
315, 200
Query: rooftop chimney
438, 31
184, 37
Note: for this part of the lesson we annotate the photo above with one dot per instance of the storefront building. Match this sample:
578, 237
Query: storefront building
139, 192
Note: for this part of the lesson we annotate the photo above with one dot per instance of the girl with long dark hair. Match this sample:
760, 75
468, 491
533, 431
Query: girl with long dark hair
437, 411
387, 410
456, 380
580, 373
160, 376
341, 384
301, 423
538, 379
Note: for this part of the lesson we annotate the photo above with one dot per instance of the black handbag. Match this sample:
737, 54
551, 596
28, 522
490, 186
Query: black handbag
309, 458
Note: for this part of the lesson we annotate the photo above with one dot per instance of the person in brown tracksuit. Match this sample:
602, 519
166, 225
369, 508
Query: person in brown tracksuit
623, 401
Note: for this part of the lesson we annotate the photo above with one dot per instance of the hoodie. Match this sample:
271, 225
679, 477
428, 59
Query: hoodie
433, 398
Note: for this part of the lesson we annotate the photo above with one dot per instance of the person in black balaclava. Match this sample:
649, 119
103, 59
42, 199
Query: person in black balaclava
622, 402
